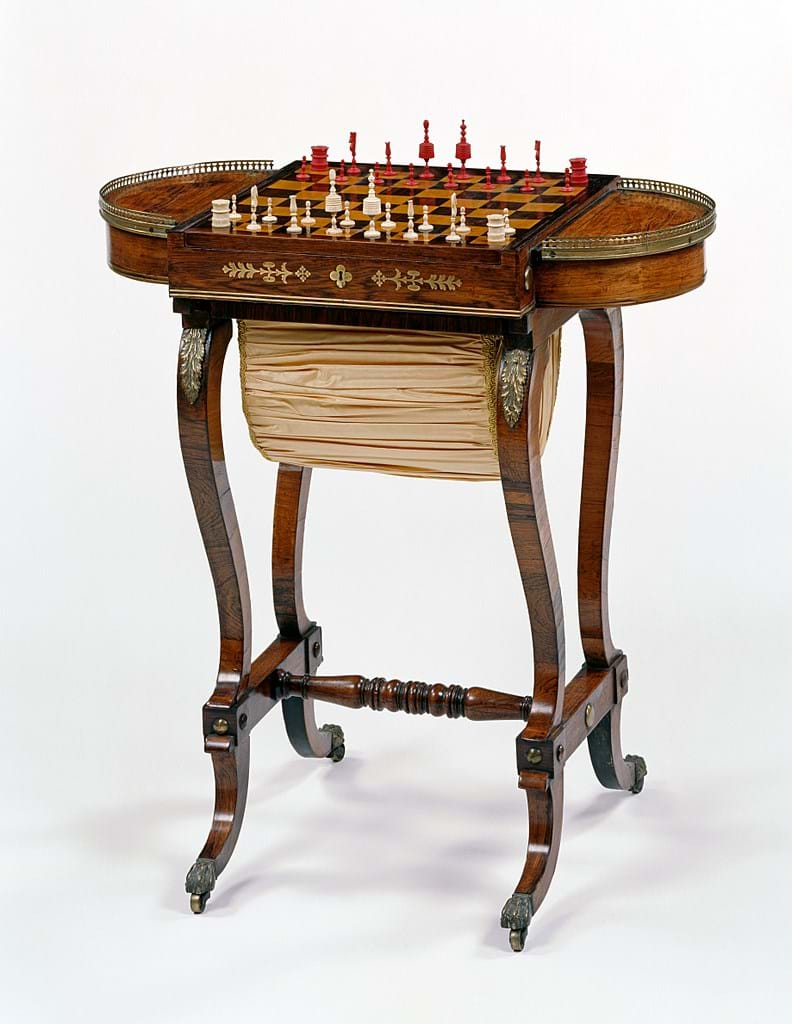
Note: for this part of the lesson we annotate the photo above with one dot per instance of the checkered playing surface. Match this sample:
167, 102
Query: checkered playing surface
526, 209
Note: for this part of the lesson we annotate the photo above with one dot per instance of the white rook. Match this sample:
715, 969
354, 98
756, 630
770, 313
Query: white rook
496, 228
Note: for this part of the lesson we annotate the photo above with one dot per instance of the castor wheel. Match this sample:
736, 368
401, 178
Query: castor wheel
517, 939
198, 901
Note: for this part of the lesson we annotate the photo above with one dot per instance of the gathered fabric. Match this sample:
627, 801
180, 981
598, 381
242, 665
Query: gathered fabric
413, 403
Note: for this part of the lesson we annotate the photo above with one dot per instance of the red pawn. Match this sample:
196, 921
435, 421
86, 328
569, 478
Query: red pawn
450, 183
503, 177
302, 174
341, 173
411, 180
353, 167
488, 186
377, 175
567, 181
526, 185
389, 171
426, 152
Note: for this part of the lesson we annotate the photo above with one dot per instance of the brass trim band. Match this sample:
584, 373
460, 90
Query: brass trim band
139, 222
642, 243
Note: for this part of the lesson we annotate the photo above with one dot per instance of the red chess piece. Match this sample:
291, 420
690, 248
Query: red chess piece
341, 173
377, 175
538, 179
411, 180
567, 182
302, 174
579, 174
426, 152
463, 151
526, 185
503, 177
450, 183
318, 160
488, 186
353, 167
389, 171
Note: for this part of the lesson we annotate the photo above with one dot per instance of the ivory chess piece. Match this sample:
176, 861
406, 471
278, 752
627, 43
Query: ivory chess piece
372, 207
269, 217
235, 215
425, 227
221, 215
346, 220
308, 219
388, 224
333, 228
463, 227
371, 230
507, 228
332, 199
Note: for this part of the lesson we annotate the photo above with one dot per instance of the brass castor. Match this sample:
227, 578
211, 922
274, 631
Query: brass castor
640, 771
198, 901
516, 916
337, 749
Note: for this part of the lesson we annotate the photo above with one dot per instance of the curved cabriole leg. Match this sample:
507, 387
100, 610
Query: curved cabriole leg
545, 812
291, 501
201, 355
602, 329
523, 362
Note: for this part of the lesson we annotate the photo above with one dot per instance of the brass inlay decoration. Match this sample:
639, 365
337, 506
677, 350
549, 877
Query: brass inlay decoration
514, 373
642, 243
341, 276
141, 222
192, 349
268, 272
414, 281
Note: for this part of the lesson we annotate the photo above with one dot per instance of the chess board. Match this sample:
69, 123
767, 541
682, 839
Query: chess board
527, 210
429, 274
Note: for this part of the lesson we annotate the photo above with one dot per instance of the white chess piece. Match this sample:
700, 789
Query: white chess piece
452, 235
293, 227
253, 225
388, 224
347, 221
371, 231
425, 226
235, 214
221, 217
410, 234
410, 210
308, 220
495, 228
333, 229
332, 199
269, 217
453, 204
372, 207
507, 228
463, 227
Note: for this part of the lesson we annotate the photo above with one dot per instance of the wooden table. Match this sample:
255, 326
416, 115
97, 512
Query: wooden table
613, 242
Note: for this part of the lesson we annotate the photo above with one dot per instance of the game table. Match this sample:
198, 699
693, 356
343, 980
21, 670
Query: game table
423, 357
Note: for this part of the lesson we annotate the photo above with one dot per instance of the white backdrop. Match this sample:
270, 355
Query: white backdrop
372, 889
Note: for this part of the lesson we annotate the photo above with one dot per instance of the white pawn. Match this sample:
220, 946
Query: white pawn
388, 224
372, 207
371, 231
269, 217
308, 220
252, 225
346, 221
463, 227
425, 226
410, 234
507, 228
332, 199
452, 235
334, 229
235, 214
